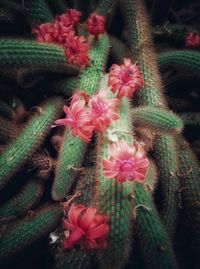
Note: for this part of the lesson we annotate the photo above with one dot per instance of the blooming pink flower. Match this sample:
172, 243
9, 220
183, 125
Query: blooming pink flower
76, 49
95, 24
73, 15
126, 162
85, 227
44, 32
125, 78
103, 110
192, 40
78, 118
61, 31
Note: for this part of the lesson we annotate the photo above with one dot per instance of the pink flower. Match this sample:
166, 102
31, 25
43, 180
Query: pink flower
78, 118
85, 227
126, 162
95, 24
44, 32
192, 40
64, 20
125, 79
76, 50
103, 110
61, 31
73, 15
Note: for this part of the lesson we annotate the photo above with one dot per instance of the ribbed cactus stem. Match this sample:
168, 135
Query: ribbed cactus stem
24, 232
140, 42
114, 198
29, 139
37, 11
154, 242
26, 56
73, 148
184, 60
167, 163
78, 258
151, 178
26, 199
142, 48
157, 119
189, 175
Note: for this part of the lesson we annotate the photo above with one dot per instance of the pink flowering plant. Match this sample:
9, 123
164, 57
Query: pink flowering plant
125, 79
85, 227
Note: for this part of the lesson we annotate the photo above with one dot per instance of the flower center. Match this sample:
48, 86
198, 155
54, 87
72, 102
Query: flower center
100, 108
127, 169
126, 75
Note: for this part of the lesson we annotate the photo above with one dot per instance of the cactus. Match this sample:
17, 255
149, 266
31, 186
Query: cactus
157, 119
37, 11
188, 174
31, 56
160, 254
167, 163
185, 60
73, 148
23, 232
151, 94
27, 198
115, 198
143, 226
17, 153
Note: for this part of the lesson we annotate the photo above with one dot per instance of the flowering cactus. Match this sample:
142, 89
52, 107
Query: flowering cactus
83, 116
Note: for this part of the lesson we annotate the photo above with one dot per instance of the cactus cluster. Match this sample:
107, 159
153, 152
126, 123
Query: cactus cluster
44, 168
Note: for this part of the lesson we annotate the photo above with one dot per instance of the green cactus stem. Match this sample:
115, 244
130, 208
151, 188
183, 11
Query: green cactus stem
78, 258
57, 7
22, 233
140, 42
157, 119
154, 242
27, 198
29, 139
114, 198
189, 174
37, 11
142, 49
184, 60
151, 180
26, 56
167, 163
72, 150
